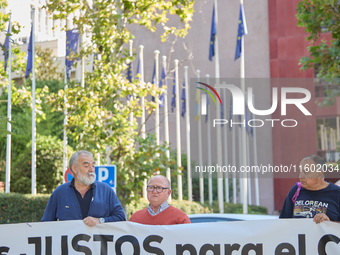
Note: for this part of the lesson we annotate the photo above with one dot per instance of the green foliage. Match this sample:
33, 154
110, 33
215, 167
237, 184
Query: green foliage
18, 208
49, 166
236, 208
3, 126
138, 165
318, 16
99, 112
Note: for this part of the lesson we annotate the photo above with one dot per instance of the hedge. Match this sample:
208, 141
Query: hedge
19, 208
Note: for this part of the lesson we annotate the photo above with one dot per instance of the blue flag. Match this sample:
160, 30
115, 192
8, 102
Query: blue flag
129, 74
139, 73
183, 100
6, 45
173, 98
242, 30
29, 64
161, 83
153, 81
72, 43
212, 36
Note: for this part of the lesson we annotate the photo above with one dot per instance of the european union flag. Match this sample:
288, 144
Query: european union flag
30, 57
161, 83
153, 79
183, 100
72, 43
139, 73
129, 74
212, 36
173, 99
242, 30
6, 45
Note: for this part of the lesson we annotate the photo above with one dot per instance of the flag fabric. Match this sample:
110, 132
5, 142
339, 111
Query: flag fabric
173, 98
197, 103
72, 44
212, 36
129, 74
183, 100
242, 30
95, 59
30, 57
161, 83
6, 45
139, 73
153, 81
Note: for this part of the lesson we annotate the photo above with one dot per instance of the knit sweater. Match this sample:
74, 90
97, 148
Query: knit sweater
169, 216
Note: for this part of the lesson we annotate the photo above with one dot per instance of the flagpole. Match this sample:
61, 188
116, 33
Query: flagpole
9, 110
200, 153
130, 54
82, 66
248, 154
209, 148
166, 123
178, 135
187, 122
234, 159
34, 188
141, 58
225, 129
218, 114
156, 52
244, 144
64, 127
257, 194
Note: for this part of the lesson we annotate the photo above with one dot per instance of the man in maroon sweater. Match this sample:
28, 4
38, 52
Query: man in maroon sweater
159, 212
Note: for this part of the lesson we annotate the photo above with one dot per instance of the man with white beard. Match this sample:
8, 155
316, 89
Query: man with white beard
84, 198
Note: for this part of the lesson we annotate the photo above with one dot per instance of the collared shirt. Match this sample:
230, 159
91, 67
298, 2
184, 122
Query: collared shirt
85, 201
161, 208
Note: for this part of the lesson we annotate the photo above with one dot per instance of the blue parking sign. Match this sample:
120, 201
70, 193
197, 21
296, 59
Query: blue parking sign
106, 174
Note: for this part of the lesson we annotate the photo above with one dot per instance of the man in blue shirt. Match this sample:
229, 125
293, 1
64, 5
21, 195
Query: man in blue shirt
84, 198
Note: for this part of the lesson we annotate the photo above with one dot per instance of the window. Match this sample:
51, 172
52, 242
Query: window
328, 135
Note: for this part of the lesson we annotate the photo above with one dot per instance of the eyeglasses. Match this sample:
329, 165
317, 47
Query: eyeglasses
158, 189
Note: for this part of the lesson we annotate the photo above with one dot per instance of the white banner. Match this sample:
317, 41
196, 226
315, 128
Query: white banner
292, 236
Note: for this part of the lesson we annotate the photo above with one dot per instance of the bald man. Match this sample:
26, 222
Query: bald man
159, 212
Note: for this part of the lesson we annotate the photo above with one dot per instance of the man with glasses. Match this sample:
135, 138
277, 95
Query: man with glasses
159, 212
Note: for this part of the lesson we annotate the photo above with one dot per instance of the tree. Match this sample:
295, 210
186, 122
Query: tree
319, 16
99, 113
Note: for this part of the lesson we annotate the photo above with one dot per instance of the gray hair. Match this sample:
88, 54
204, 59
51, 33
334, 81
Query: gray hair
75, 156
317, 160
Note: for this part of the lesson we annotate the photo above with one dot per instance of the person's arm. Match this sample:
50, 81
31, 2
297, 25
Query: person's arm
50, 210
116, 210
288, 206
